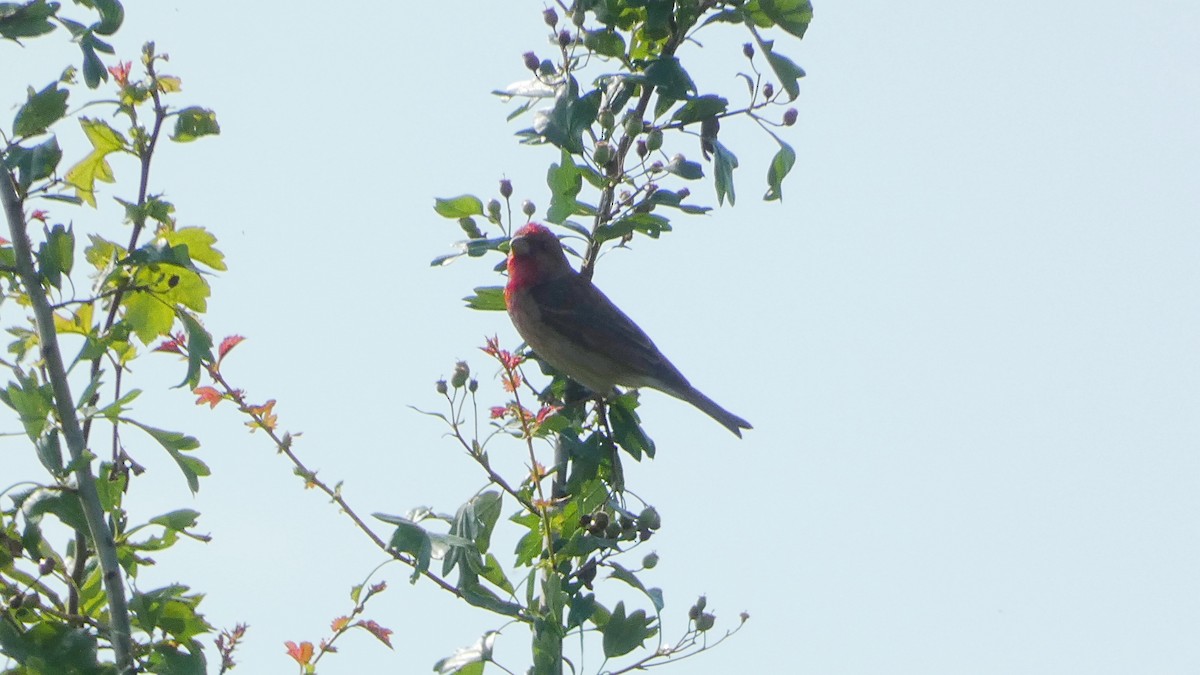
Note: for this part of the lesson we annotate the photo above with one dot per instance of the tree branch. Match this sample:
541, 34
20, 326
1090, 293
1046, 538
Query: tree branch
64, 404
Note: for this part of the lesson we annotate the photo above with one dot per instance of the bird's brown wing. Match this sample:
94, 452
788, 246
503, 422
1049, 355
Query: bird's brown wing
576, 309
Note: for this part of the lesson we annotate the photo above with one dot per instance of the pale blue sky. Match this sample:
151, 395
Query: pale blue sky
967, 340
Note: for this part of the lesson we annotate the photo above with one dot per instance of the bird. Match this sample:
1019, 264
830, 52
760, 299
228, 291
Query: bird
575, 328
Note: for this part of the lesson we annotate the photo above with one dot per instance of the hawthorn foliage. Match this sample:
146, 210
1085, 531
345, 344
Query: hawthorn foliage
84, 299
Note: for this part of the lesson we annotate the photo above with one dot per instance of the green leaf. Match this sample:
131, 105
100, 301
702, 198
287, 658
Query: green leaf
791, 15
41, 110
462, 206
785, 69
582, 608
565, 181
627, 428
56, 255
780, 166
671, 80
63, 505
83, 176
32, 402
148, 316
112, 15
655, 594
50, 647
605, 42
413, 539
176, 444
623, 634
27, 20
34, 163
487, 511
494, 572
179, 520
685, 169
93, 68
49, 452
724, 163
481, 596
167, 659
564, 125
487, 298
468, 660
195, 122
199, 348
700, 108
664, 197
199, 242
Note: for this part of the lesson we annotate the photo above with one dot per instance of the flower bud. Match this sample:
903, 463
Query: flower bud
528, 208
649, 518
634, 126
578, 16
564, 38
473, 385
505, 188
546, 68
493, 208
599, 522
789, 117
468, 226
603, 153
654, 139
705, 622
642, 150
656, 167
607, 120
748, 50
46, 566
531, 61
683, 193
550, 17
461, 372
441, 387
768, 90
650, 561
701, 603
744, 616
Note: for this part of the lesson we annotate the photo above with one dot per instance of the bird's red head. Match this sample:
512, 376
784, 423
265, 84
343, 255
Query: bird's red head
535, 256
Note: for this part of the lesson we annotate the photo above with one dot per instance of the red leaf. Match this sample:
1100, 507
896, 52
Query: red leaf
227, 344
340, 623
302, 652
207, 395
384, 634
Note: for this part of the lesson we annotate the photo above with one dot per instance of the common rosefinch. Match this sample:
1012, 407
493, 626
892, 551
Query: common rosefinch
575, 328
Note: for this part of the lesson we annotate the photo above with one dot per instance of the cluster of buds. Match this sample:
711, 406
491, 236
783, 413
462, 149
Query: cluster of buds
623, 527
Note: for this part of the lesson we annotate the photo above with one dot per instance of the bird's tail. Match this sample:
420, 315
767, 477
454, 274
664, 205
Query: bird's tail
709, 407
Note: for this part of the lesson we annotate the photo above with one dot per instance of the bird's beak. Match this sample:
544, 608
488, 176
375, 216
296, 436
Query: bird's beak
518, 246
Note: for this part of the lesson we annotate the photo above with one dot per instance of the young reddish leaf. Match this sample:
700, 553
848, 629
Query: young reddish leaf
173, 345
228, 344
120, 72
269, 419
39, 214
339, 624
207, 395
383, 634
302, 652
